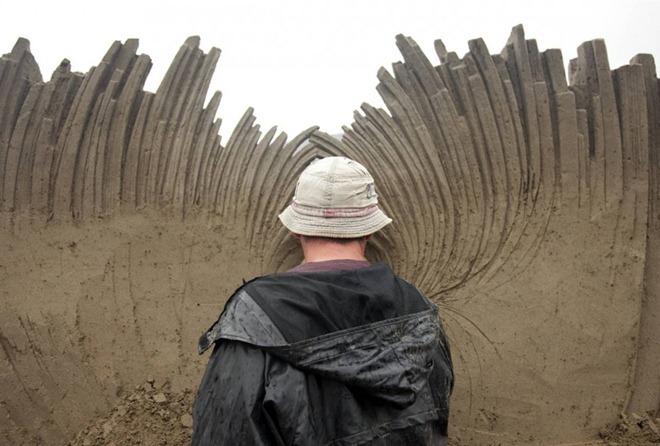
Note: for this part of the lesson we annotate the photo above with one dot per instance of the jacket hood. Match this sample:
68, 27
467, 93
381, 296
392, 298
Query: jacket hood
389, 360
365, 328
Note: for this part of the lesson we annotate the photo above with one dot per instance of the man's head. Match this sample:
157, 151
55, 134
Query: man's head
335, 205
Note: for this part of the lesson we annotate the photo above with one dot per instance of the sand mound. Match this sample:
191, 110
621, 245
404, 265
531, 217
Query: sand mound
633, 430
152, 414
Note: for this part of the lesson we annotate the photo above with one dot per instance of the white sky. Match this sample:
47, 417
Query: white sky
306, 62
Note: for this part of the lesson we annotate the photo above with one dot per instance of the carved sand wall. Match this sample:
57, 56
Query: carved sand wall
527, 205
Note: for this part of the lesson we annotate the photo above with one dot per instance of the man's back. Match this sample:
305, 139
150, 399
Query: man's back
341, 357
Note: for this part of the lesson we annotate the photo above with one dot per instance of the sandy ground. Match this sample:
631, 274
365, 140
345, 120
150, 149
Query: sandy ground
153, 414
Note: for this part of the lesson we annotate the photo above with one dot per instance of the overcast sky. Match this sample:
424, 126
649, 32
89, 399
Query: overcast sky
305, 62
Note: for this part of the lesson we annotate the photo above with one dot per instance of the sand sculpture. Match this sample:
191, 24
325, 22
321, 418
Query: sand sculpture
527, 206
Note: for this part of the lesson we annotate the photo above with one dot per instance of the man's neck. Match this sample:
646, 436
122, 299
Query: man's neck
322, 250
333, 251
325, 258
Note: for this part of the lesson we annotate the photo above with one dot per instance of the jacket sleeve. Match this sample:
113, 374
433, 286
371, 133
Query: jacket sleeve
228, 407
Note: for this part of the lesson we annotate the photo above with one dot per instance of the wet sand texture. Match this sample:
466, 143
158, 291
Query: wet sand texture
526, 203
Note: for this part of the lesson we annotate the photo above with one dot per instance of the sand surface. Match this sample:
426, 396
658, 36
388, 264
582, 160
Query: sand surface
525, 202
152, 414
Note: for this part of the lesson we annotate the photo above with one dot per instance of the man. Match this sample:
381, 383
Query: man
336, 351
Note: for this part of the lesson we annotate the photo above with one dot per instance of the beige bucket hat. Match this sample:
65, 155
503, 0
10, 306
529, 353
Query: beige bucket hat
335, 197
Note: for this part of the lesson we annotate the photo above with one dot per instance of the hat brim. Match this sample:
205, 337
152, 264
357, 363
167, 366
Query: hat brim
335, 227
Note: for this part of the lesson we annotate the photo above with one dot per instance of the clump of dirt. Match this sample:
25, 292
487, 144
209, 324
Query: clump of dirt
633, 430
151, 415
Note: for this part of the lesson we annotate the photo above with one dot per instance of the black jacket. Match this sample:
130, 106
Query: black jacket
325, 358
